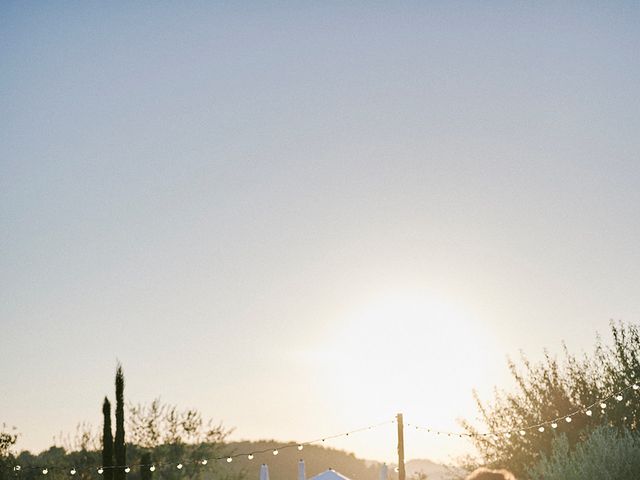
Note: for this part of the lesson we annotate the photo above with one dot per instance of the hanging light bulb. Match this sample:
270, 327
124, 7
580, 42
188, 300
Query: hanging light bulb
229, 459
152, 468
619, 398
554, 425
179, 466
45, 471
522, 433
100, 470
541, 429
73, 471
508, 435
17, 468
603, 405
635, 386
275, 452
127, 470
300, 447
589, 413
250, 456
204, 461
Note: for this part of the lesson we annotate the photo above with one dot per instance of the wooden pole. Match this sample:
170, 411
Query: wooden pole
401, 472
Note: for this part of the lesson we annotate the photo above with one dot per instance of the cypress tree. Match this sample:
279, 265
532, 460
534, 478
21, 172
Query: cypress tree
119, 446
107, 440
145, 462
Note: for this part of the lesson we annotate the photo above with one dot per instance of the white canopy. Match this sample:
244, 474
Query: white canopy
330, 474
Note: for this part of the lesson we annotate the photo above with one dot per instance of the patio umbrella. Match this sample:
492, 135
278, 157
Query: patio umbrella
264, 472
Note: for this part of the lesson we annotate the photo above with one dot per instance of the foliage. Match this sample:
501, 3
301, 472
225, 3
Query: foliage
119, 446
606, 454
7, 441
552, 389
157, 423
107, 440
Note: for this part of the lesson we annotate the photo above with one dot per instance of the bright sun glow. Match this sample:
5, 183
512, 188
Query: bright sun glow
409, 353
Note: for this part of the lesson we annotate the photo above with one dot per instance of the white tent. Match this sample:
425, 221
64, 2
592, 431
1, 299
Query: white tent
330, 474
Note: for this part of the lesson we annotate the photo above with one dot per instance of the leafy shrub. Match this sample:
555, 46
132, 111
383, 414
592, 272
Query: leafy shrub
606, 454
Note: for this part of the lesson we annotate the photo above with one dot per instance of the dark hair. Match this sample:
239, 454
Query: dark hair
486, 474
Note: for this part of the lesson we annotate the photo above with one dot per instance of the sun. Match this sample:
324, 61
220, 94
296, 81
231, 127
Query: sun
409, 351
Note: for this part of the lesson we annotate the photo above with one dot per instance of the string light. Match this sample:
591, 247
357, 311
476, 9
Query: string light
568, 418
540, 427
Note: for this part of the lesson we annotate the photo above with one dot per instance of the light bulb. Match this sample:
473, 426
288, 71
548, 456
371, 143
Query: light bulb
73, 471
250, 456
635, 386
127, 470
541, 429
603, 405
100, 470
179, 466
17, 468
554, 425
229, 459
204, 461
275, 452
619, 398
523, 433
568, 419
508, 435
589, 413
152, 468
45, 471
300, 447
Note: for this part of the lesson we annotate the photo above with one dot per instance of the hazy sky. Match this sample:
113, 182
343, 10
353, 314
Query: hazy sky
302, 218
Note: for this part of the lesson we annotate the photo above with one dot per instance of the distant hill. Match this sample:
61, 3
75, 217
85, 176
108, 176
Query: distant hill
284, 466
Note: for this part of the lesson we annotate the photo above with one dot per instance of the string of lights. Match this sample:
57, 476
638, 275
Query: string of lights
588, 410
45, 470
540, 427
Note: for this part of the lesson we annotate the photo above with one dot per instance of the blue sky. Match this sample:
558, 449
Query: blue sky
211, 193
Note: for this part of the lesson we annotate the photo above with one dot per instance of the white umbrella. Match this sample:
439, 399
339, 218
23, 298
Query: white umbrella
301, 473
383, 472
264, 472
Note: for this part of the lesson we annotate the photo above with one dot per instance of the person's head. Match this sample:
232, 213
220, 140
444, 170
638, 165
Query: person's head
486, 474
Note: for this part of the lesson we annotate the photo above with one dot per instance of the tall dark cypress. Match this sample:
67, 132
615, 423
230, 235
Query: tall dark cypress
145, 463
107, 440
119, 446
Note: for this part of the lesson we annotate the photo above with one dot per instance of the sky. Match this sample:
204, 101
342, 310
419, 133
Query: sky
303, 218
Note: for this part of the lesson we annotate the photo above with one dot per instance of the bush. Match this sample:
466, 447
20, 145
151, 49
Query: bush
605, 454
553, 389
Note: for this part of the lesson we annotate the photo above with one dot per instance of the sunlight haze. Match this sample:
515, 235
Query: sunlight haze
304, 218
